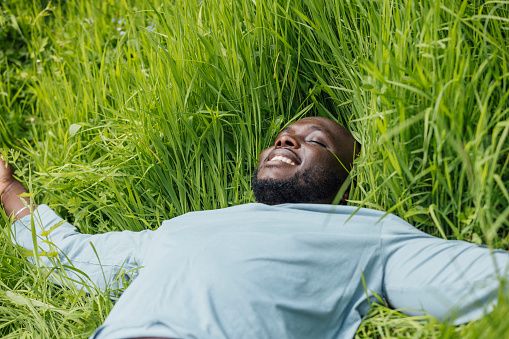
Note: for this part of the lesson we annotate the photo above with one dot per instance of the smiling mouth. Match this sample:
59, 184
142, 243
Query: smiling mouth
283, 159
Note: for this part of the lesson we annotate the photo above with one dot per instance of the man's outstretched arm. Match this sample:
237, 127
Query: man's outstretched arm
449, 279
105, 259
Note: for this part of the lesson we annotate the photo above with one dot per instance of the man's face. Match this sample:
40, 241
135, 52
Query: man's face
307, 163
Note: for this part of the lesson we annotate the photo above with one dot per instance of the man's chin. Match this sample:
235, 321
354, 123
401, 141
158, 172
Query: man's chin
275, 172
312, 186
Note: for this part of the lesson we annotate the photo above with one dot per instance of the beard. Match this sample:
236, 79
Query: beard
312, 186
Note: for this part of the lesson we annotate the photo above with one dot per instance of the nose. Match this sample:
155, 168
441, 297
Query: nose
286, 141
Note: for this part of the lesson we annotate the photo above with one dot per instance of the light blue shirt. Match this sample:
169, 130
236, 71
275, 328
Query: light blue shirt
258, 271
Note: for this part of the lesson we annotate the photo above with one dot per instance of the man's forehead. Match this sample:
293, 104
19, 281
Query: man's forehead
311, 127
324, 125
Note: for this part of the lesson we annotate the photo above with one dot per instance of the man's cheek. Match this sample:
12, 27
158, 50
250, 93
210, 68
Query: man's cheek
263, 156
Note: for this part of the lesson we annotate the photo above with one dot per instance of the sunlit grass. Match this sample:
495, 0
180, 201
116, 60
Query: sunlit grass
141, 111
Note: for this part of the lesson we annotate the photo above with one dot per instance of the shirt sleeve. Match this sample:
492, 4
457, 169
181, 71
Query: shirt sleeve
449, 279
102, 261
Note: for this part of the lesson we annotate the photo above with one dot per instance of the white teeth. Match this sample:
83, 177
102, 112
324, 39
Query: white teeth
283, 159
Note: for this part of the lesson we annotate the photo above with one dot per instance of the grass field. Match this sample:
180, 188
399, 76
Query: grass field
121, 114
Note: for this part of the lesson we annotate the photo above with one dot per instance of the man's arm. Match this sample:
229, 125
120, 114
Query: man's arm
448, 279
105, 259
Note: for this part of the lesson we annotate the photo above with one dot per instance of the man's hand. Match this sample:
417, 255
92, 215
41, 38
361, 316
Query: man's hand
12, 197
6, 178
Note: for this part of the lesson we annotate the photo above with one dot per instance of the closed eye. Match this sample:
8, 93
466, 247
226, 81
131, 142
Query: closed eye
318, 143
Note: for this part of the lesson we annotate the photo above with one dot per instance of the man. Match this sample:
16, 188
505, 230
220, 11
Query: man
292, 265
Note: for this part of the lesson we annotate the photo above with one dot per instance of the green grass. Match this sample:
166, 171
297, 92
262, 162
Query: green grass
140, 111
